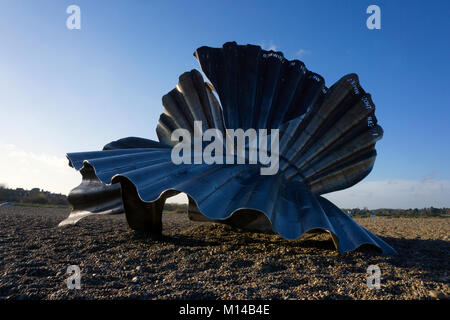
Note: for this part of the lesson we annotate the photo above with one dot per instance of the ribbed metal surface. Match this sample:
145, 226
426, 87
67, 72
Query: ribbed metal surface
327, 139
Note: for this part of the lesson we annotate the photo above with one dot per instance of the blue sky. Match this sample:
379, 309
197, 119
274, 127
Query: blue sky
67, 90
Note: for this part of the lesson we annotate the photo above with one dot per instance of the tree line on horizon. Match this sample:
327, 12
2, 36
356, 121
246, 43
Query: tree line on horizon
38, 196
416, 212
34, 196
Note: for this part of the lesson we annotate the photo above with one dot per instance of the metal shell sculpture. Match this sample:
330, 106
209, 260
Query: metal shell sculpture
327, 142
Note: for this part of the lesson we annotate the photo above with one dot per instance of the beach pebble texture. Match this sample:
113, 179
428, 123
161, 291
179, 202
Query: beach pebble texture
213, 261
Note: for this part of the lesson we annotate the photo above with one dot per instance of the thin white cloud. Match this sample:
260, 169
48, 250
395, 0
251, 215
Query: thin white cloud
179, 198
24, 169
302, 52
268, 45
20, 168
394, 194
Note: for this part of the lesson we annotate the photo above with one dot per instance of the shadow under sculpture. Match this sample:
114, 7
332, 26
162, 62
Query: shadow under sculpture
327, 142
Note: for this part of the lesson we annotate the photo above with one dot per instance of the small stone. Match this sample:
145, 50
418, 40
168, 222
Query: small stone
437, 295
135, 279
74, 254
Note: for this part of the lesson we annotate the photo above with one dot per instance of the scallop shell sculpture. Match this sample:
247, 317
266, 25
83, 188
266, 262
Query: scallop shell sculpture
327, 142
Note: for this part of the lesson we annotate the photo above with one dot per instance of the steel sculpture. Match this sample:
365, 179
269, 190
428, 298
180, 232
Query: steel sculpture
327, 142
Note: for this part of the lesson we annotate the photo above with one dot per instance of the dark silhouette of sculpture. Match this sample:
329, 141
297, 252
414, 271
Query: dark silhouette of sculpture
327, 142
